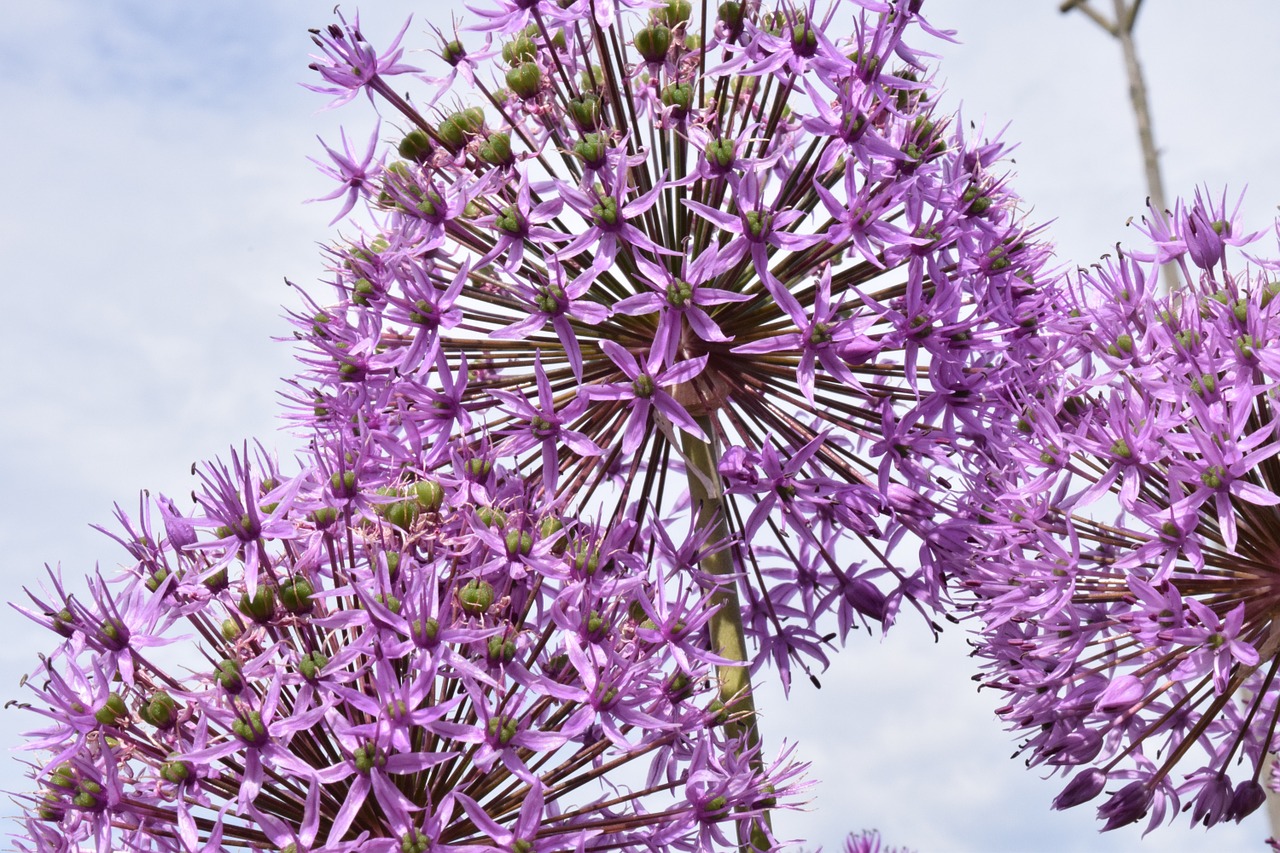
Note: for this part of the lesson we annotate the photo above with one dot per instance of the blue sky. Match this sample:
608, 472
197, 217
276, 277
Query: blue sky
156, 164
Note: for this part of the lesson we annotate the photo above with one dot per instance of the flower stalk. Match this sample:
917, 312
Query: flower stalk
724, 628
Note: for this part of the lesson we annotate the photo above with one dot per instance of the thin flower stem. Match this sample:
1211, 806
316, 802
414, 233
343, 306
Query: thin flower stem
728, 639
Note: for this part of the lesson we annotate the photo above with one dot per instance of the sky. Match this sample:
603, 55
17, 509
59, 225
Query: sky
153, 205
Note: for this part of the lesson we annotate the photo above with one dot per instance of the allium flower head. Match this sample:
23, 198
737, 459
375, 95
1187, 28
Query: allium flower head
1124, 541
688, 239
413, 670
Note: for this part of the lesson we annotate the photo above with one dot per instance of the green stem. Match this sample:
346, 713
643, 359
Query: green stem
728, 639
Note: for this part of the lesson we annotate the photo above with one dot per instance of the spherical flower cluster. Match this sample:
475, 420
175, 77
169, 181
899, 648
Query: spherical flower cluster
412, 664
1125, 540
619, 243
653, 338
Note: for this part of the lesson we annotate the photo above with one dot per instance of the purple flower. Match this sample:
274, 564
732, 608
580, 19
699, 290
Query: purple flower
645, 390
1119, 547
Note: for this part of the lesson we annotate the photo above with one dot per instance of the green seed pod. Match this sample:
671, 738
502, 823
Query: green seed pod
430, 495
586, 559
475, 597
216, 582
606, 212
509, 221
519, 50
415, 146
550, 526
343, 484
584, 112
250, 729
230, 630
64, 776
490, 517
478, 468
261, 606
414, 842
721, 153
295, 596
652, 42
732, 15
361, 290
453, 52
390, 602
323, 517
50, 807
402, 514
229, 675
496, 150
426, 632
1212, 476
501, 650
678, 96
161, 711
452, 132
156, 578
679, 687
113, 711
674, 13
804, 39
519, 543
525, 80
592, 148
1123, 344
393, 565
503, 729
85, 800
311, 664
176, 772
1269, 291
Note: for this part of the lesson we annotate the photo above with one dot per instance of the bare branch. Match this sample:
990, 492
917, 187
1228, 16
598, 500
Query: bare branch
1094, 15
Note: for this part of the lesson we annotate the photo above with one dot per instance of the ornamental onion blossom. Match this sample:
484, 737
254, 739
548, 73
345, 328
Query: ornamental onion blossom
1122, 545
704, 239
411, 670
